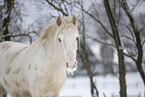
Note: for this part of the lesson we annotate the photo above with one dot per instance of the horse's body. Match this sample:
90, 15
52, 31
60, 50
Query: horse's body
38, 70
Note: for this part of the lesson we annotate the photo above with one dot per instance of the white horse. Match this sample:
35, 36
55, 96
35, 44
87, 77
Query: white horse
39, 70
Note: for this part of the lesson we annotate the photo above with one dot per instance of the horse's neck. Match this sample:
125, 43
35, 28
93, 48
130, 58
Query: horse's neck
51, 43
49, 46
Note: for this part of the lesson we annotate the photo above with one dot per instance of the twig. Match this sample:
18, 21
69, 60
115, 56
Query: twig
17, 35
101, 41
135, 6
131, 34
127, 37
65, 8
142, 29
97, 21
130, 57
55, 7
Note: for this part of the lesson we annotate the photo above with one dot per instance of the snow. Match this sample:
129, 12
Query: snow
109, 85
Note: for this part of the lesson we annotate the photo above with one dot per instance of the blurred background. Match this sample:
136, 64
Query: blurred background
111, 55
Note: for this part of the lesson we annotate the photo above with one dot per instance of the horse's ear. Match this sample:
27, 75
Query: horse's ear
74, 20
59, 20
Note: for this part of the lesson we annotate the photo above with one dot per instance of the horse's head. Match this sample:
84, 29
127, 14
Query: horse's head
68, 38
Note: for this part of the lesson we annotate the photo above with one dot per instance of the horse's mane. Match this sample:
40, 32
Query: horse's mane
50, 29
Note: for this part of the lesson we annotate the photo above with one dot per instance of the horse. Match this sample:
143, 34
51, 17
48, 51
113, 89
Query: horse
39, 69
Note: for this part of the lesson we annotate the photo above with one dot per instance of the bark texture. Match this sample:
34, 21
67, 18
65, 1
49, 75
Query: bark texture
122, 70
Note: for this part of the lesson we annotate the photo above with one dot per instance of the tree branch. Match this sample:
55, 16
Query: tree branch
65, 8
55, 7
137, 3
142, 29
127, 37
97, 21
101, 41
17, 35
131, 34
130, 57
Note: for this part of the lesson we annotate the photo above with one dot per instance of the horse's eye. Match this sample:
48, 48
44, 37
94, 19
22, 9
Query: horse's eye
77, 39
59, 39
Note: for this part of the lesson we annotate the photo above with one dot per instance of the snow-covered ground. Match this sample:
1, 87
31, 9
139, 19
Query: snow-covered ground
109, 85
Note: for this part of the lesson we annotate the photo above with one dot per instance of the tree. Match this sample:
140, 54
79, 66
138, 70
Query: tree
136, 34
83, 54
118, 44
134, 37
11, 25
8, 6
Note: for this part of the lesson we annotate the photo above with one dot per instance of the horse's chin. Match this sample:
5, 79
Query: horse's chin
71, 70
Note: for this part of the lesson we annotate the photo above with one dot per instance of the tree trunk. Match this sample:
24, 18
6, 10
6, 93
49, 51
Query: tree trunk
122, 71
85, 60
6, 20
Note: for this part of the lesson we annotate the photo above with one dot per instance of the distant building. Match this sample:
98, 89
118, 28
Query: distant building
107, 58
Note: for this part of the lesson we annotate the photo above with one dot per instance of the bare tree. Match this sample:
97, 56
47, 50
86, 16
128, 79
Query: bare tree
83, 54
8, 5
122, 71
11, 22
136, 34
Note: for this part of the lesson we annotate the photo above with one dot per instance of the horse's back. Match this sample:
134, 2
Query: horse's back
14, 46
10, 51
8, 44
12, 75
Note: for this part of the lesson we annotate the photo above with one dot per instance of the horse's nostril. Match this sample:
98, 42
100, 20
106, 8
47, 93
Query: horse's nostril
67, 64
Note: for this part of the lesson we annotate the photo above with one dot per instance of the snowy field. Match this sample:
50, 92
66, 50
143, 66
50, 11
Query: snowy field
109, 85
